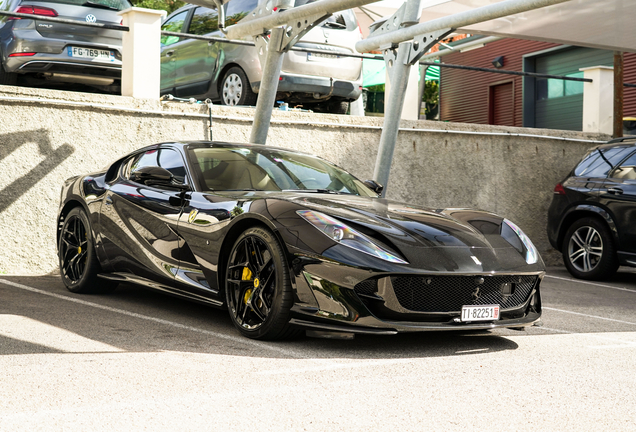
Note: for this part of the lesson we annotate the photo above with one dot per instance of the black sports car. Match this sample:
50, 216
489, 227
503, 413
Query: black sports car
286, 241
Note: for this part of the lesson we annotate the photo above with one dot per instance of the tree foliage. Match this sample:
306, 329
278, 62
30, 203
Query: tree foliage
167, 5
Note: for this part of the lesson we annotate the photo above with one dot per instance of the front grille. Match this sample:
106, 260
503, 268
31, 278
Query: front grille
367, 287
450, 293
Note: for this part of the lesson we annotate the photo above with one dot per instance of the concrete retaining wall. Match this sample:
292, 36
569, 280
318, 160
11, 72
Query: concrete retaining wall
47, 136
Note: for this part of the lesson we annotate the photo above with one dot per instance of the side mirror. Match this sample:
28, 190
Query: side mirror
374, 186
151, 174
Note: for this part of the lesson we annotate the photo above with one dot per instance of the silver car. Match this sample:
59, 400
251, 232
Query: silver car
62, 52
232, 74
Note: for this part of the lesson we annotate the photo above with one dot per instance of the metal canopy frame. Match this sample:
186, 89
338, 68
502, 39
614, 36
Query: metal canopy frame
276, 28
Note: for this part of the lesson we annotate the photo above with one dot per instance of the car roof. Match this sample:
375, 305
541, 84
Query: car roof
627, 141
225, 144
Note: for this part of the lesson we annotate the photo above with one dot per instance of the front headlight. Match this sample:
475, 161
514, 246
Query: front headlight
522, 243
346, 236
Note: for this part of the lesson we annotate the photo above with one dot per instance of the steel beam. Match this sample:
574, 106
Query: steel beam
253, 24
269, 84
399, 76
462, 19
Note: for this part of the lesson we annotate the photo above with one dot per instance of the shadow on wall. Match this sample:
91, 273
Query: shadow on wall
10, 142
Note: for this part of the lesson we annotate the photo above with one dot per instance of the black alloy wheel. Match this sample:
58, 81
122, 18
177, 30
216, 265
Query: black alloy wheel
236, 88
589, 251
79, 265
258, 288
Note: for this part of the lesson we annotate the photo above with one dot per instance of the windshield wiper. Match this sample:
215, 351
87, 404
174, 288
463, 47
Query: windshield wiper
99, 6
242, 190
335, 24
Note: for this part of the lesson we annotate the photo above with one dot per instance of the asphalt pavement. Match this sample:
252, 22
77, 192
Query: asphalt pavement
141, 360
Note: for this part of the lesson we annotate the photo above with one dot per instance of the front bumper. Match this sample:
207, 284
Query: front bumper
331, 297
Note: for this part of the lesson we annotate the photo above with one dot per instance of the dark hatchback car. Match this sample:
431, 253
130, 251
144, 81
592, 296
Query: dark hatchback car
592, 218
59, 52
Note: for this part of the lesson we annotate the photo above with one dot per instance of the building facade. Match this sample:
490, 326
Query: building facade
491, 98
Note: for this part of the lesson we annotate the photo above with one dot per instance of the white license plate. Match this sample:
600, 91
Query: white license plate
480, 313
91, 53
320, 56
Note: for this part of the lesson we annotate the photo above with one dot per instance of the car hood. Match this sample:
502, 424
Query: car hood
441, 239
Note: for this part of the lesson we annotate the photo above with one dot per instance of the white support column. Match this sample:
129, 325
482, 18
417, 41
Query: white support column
598, 100
141, 68
411, 96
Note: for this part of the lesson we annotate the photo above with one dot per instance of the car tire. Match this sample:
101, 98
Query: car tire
589, 251
258, 288
7, 78
79, 265
339, 107
236, 89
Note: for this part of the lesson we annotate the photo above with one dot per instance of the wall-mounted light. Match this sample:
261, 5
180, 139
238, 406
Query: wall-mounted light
498, 62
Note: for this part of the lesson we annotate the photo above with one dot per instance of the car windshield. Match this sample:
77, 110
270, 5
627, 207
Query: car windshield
101, 4
249, 168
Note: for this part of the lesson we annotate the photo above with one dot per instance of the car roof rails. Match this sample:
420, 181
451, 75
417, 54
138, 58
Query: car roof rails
621, 139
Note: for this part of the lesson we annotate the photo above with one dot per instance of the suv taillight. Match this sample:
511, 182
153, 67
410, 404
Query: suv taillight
559, 189
35, 10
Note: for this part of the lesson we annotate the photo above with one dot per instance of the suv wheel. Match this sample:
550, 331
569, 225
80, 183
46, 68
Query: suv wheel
236, 89
589, 251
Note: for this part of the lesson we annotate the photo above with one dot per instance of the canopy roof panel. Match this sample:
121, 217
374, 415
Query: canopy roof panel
606, 24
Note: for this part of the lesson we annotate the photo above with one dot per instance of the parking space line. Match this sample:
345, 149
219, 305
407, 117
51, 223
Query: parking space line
591, 283
238, 339
624, 343
590, 316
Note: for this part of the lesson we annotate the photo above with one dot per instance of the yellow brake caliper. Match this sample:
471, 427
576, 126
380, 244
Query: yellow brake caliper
247, 275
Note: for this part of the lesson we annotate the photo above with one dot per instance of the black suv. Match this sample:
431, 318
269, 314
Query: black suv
592, 218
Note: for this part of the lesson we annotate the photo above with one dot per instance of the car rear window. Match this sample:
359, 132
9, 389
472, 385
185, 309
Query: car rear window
105, 4
601, 161
345, 19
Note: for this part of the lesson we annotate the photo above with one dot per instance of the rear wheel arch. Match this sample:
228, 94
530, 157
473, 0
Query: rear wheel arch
586, 211
70, 205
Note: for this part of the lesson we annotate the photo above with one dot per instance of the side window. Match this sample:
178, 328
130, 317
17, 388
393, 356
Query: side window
600, 161
627, 170
174, 24
164, 158
173, 162
204, 21
238, 9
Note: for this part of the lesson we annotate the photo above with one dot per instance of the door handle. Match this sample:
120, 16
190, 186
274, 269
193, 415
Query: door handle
615, 191
169, 53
